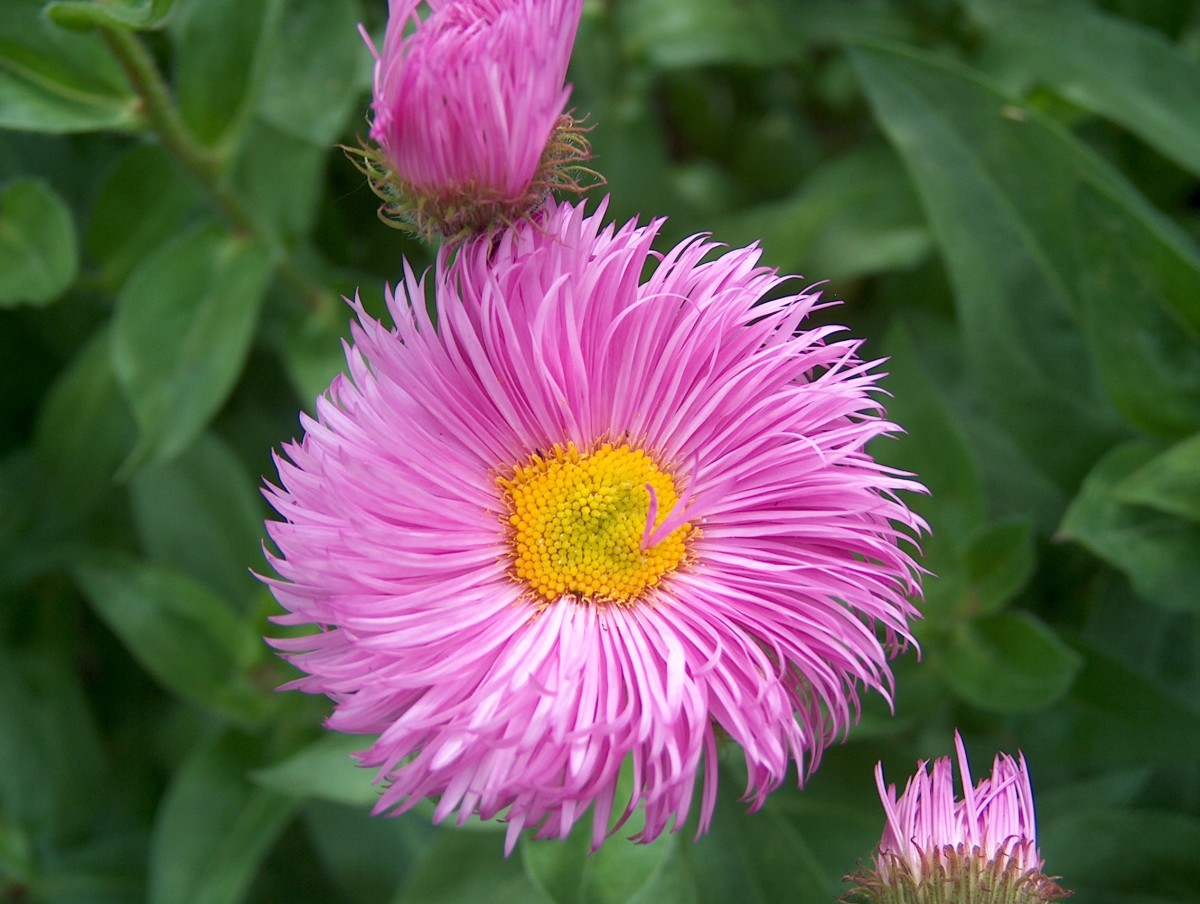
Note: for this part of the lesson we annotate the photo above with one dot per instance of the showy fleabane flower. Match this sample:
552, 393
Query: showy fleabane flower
977, 849
587, 519
469, 113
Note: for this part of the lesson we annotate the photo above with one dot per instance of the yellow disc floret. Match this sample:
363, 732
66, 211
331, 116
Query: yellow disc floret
578, 521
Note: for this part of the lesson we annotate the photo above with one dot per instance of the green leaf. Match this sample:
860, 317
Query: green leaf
823, 22
1170, 482
222, 51
1142, 856
55, 81
633, 144
106, 867
1118, 787
84, 429
144, 202
324, 770
82, 15
312, 352
214, 827
837, 812
1153, 250
279, 175
54, 764
1135, 282
35, 525
934, 447
1009, 663
999, 561
367, 858
755, 858
183, 635
1156, 551
218, 539
1116, 68
319, 69
183, 326
619, 872
38, 257
854, 215
675, 34
468, 867
16, 851
1116, 718
998, 184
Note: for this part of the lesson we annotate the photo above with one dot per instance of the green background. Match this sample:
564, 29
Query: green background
1005, 196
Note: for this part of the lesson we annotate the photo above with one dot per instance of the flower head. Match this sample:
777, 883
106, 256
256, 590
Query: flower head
586, 519
469, 113
977, 849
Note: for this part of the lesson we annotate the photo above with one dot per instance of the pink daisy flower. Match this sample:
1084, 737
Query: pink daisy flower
469, 112
977, 849
589, 518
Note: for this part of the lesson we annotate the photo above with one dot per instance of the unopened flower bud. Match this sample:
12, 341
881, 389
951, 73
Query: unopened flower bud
469, 126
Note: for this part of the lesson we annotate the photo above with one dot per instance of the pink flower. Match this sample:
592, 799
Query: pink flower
469, 112
589, 519
982, 847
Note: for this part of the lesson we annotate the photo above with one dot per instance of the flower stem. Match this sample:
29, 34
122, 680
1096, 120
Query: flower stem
201, 163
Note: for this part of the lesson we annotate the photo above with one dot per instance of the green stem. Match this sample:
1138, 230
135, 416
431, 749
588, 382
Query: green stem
200, 162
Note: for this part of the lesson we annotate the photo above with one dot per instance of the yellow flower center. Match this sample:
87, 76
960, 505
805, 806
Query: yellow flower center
578, 523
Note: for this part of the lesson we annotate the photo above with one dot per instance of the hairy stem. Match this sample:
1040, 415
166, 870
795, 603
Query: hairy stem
199, 161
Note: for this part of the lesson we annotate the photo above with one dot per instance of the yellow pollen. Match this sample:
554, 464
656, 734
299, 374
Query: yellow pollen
577, 520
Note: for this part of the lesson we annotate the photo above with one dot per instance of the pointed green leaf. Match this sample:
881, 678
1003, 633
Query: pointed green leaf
756, 858
365, 857
144, 202
1131, 855
183, 635
220, 539
222, 51
214, 827
1115, 717
35, 526
84, 429
1110, 65
821, 22
49, 744
468, 867
856, 214
998, 184
52, 80
618, 873
83, 15
183, 326
312, 352
1118, 787
1150, 366
279, 175
999, 561
1169, 482
933, 447
680, 33
1009, 663
319, 69
1155, 550
324, 770
38, 255
1015, 485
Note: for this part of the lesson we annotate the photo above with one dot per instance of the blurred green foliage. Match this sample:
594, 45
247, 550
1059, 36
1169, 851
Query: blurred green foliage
1004, 194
